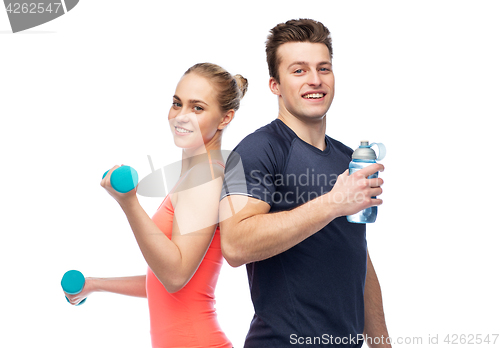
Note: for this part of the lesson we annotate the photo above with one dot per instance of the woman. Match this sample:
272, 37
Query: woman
181, 242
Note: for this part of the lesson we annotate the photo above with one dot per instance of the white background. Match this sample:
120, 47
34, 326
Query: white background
92, 89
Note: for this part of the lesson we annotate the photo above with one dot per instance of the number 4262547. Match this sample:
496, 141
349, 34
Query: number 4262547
471, 339
33, 7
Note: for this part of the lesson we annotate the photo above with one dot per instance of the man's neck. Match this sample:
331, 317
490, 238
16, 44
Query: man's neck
311, 131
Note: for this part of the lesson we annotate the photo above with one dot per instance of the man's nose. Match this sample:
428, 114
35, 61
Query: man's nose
314, 78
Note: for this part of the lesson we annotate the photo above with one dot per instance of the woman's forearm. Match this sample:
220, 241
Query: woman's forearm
130, 286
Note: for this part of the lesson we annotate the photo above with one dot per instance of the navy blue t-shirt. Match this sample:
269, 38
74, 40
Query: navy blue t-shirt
312, 294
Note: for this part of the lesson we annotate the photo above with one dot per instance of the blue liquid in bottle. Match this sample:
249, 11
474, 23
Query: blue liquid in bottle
363, 157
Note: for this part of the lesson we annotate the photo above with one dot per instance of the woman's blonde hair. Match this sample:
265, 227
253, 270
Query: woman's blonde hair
230, 89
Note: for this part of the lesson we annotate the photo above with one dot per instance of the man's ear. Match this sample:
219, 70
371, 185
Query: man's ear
228, 117
274, 86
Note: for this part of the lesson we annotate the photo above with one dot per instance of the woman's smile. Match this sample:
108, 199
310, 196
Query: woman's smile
182, 131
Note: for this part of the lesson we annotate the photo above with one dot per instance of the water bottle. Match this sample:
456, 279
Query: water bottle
362, 157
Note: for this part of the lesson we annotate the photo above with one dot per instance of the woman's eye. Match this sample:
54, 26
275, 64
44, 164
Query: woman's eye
176, 104
198, 108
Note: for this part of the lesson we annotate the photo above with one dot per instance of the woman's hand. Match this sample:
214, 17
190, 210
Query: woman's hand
86, 291
121, 198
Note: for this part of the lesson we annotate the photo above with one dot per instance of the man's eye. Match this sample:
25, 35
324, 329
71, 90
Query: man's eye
324, 69
298, 71
176, 104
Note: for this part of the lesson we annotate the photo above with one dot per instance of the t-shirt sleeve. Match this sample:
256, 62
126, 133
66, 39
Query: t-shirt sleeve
252, 166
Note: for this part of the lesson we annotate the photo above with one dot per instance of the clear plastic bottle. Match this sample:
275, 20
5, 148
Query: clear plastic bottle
362, 157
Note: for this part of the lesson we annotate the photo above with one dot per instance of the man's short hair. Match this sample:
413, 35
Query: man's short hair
294, 30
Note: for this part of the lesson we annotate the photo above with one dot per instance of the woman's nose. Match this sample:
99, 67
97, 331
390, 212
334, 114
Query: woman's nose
183, 117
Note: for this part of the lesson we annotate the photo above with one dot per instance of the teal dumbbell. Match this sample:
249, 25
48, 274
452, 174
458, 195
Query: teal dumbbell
72, 283
123, 179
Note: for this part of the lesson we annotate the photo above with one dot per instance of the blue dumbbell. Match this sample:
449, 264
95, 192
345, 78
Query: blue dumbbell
123, 179
72, 283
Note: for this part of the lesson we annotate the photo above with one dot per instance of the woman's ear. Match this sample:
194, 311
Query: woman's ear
228, 117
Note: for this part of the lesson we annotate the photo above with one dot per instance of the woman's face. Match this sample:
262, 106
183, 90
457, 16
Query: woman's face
195, 114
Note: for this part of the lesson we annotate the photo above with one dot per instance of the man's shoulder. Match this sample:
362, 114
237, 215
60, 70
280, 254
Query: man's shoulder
339, 146
266, 138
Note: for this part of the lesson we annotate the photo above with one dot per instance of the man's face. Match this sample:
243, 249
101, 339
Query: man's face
307, 84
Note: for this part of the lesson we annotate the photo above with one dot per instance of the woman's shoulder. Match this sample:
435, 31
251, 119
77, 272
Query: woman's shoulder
200, 179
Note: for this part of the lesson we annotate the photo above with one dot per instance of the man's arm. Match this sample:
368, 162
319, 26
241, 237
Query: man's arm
374, 311
249, 233
253, 234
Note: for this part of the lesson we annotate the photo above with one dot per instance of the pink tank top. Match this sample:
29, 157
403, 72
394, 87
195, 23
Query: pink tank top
186, 318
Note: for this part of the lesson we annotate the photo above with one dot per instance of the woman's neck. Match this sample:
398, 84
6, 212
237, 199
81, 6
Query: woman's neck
204, 153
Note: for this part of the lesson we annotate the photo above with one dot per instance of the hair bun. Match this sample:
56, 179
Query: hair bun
242, 84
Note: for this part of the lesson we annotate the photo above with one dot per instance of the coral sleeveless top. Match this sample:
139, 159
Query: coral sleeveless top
186, 318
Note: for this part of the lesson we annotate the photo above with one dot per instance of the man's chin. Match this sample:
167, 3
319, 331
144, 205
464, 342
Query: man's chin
316, 115
316, 112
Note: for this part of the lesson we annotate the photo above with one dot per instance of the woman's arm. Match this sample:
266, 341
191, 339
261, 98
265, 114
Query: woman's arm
175, 260
130, 286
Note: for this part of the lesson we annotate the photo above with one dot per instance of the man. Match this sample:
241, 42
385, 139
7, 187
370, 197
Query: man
283, 214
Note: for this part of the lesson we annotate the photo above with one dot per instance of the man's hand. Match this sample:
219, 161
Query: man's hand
354, 192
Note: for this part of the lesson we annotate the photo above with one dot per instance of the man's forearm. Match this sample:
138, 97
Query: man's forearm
375, 328
265, 235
